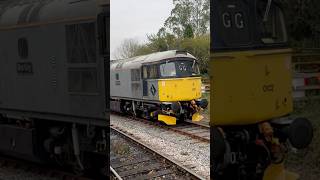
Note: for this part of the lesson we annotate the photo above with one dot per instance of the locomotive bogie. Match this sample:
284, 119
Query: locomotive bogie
51, 141
168, 112
18, 141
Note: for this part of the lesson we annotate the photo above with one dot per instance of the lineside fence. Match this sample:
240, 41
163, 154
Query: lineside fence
205, 88
306, 74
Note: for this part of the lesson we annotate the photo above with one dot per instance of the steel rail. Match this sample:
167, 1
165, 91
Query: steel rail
176, 129
115, 173
149, 148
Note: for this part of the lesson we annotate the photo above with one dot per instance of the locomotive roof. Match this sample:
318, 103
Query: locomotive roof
15, 13
138, 61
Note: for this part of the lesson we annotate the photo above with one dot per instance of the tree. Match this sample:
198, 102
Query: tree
162, 41
127, 49
186, 29
199, 47
188, 32
131, 48
189, 16
303, 19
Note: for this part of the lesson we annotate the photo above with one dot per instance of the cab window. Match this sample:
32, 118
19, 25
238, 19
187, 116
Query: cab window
179, 68
271, 23
168, 69
145, 72
150, 72
187, 68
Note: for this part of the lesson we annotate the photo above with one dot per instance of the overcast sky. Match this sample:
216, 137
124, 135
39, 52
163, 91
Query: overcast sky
135, 19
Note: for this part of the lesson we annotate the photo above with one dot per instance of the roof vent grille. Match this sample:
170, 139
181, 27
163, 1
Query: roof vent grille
181, 52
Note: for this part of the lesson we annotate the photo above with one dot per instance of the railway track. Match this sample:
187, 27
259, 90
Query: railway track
193, 130
132, 159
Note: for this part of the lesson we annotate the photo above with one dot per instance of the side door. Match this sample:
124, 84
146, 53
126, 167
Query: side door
144, 80
150, 78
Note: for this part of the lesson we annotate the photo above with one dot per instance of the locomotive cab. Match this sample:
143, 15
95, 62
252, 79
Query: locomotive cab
251, 95
250, 63
176, 83
177, 79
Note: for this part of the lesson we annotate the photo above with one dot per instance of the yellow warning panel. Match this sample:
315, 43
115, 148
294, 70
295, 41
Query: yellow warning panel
196, 117
169, 120
250, 86
179, 89
278, 172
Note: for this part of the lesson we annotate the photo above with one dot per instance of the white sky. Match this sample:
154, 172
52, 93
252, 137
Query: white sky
135, 19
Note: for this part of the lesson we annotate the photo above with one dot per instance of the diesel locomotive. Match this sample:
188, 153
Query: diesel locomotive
251, 92
54, 81
164, 86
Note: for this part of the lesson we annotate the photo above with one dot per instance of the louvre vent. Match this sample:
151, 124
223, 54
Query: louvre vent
81, 55
81, 43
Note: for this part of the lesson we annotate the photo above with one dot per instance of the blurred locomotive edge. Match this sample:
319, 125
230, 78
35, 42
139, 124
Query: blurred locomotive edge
251, 93
54, 80
165, 86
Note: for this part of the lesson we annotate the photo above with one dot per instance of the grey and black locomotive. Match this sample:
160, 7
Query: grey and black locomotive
164, 86
54, 80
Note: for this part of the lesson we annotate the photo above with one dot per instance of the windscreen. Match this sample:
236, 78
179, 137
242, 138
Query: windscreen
181, 68
271, 23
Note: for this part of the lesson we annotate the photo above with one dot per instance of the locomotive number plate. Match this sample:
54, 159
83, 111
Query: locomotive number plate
24, 68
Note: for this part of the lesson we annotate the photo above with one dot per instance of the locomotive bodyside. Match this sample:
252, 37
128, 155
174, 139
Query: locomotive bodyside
54, 80
49, 75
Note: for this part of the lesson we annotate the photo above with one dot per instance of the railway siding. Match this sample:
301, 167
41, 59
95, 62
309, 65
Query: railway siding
189, 152
140, 161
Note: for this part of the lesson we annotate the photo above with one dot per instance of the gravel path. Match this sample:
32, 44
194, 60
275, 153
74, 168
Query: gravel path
191, 153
